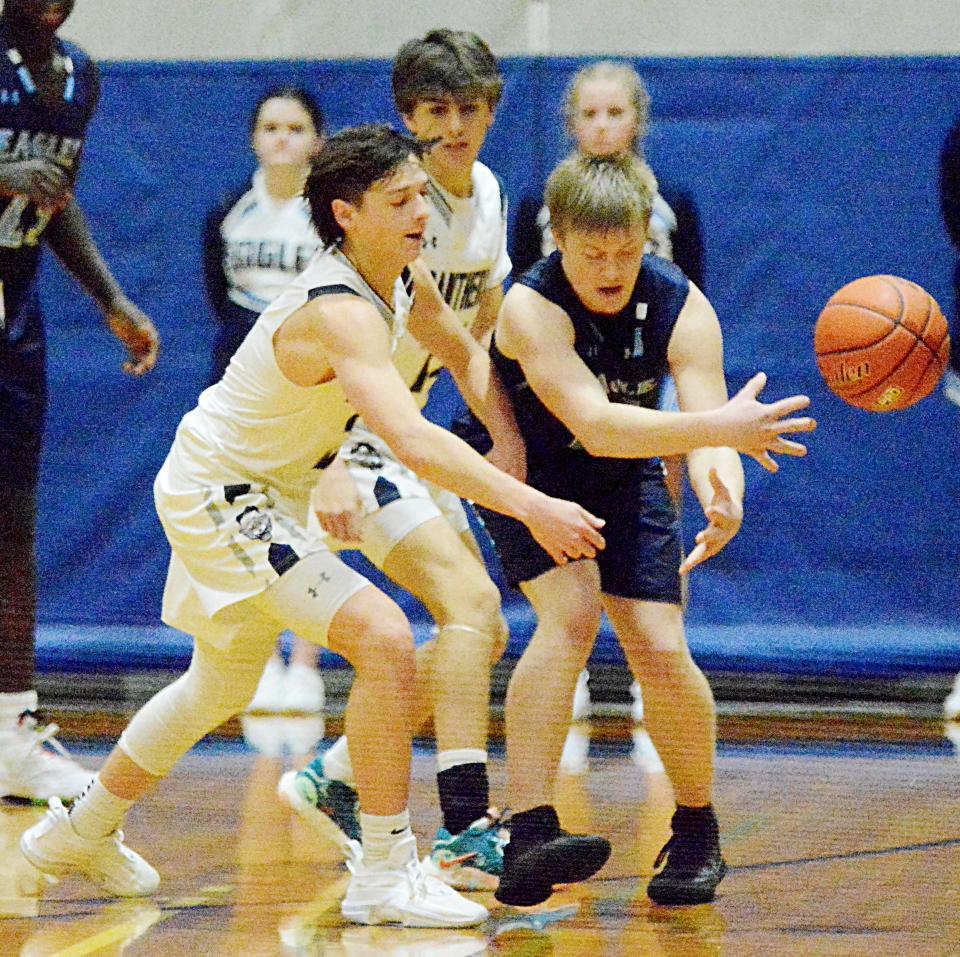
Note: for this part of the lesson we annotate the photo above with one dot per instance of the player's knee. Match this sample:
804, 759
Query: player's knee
663, 667
386, 651
580, 624
469, 599
223, 694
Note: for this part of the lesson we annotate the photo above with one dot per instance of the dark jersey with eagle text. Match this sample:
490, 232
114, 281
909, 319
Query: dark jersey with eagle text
37, 124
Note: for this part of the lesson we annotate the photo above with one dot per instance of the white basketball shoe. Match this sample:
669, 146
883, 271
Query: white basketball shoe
34, 766
581, 697
401, 892
54, 848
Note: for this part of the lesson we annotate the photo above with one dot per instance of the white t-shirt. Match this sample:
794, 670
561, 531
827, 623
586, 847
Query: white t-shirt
265, 245
465, 247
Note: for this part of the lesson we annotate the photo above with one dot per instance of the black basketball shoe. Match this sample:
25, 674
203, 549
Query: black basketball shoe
540, 854
694, 865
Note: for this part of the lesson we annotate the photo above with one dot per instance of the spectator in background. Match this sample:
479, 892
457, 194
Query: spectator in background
607, 109
950, 204
50, 90
255, 243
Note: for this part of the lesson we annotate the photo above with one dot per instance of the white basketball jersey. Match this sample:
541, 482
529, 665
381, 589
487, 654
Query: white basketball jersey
254, 422
265, 244
465, 247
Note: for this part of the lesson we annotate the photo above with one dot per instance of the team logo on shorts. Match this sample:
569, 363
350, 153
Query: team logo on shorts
255, 524
365, 455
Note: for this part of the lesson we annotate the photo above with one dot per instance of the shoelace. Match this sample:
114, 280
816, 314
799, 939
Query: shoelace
45, 733
662, 856
418, 880
686, 848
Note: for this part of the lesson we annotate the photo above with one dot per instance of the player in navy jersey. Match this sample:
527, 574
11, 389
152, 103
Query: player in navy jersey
254, 244
607, 110
48, 92
583, 344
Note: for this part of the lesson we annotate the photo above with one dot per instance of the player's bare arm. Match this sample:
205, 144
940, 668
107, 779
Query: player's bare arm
437, 329
69, 237
486, 320
355, 346
716, 473
540, 336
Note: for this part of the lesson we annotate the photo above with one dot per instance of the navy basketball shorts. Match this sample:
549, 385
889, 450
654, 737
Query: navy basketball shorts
642, 556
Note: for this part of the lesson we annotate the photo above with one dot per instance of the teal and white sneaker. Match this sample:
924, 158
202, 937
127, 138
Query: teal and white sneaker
331, 807
471, 860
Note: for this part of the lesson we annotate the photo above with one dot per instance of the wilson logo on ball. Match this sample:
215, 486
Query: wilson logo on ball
882, 343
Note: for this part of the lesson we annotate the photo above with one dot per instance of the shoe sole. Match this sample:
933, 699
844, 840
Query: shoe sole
324, 825
461, 878
374, 917
564, 860
677, 897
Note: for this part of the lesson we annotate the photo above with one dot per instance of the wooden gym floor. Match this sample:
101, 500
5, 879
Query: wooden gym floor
836, 850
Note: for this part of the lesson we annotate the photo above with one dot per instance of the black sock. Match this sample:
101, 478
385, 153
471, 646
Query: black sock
696, 816
464, 795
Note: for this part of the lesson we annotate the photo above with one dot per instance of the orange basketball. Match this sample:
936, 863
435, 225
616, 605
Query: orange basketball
882, 343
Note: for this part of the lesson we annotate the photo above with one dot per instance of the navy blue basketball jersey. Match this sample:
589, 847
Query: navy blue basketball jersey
627, 352
37, 124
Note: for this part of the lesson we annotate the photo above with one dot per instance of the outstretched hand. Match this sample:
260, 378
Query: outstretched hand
724, 517
757, 428
135, 330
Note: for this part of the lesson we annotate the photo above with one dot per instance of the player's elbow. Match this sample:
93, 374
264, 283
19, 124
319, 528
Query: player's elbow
591, 433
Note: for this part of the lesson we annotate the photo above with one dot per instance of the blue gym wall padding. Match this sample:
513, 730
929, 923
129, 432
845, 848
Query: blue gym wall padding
806, 174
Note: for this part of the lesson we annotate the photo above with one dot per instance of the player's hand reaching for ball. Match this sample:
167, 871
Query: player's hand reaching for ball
757, 428
724, 517
135, 330
565, 530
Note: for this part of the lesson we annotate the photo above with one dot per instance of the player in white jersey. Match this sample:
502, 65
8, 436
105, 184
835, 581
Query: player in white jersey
234, 496
254, 243
446, 87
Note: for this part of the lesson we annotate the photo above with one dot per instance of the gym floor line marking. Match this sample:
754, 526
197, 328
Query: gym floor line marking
119, 933
850, 855
820, 858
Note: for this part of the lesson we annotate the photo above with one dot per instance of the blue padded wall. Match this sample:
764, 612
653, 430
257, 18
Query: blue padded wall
806, 174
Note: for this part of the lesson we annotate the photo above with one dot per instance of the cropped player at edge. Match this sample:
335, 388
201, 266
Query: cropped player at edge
583, 343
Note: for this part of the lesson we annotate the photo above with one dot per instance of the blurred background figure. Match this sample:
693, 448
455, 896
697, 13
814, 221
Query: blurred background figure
255, 242
950, 205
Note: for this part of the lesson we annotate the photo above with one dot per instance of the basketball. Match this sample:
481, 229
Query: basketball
882, 343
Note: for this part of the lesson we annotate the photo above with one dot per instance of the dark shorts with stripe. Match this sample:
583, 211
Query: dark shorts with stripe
642, 556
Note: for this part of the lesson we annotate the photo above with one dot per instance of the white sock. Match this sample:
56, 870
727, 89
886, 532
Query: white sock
98, 812
13, 704
336, 762
450, 759
381, 835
